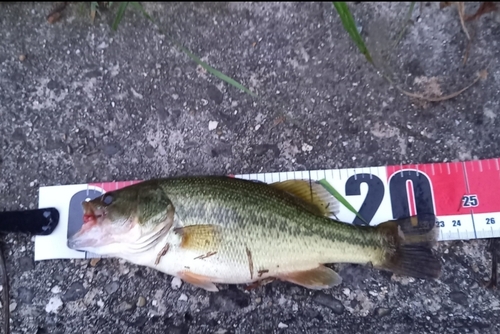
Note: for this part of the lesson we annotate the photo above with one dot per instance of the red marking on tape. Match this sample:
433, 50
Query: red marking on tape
486, 186
411, 198
110, 186
448, 185
449, 188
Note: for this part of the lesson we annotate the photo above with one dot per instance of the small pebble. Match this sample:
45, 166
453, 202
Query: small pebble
111, 288
220, 331
141, 301
22, 57
459, 297
346, 292
56, 289
55, 305
94, 261
12, 306
183, 298
329, 301
176, 283
124, 306
75, 291
382, 312
25, 295
282, 325
212, 125
306, 147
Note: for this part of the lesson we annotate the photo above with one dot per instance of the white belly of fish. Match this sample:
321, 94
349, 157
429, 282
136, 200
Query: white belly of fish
175, 260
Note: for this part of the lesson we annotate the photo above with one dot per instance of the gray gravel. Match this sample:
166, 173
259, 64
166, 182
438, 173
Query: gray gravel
87, 104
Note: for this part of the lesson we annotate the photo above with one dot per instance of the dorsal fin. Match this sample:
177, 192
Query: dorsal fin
314, 197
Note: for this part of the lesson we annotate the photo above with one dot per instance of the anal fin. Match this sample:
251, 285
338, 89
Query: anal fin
200, 281
316, 279
313, 196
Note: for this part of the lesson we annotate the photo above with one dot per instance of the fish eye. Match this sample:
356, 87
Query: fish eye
107, 199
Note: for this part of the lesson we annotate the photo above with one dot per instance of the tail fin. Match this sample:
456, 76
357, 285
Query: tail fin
410, 246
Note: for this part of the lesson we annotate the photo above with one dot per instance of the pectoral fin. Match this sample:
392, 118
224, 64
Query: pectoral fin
199, 281
312, 195
199, 237
319, 278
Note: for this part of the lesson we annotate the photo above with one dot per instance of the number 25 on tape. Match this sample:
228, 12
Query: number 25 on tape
470, 201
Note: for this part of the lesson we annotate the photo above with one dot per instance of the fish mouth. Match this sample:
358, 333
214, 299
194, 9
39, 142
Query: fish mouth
91, 234
90, 218
90, 214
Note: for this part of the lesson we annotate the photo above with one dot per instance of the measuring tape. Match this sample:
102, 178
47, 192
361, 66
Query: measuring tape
462, 195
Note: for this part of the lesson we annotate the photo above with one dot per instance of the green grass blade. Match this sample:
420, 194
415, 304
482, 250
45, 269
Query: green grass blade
138, 6
340, 198
207, 67
93, 10
215, 72
350, 27
119, 15
407, 20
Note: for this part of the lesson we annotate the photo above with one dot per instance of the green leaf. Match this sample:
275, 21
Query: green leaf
340, 198
119, 15
350, 25
207, 67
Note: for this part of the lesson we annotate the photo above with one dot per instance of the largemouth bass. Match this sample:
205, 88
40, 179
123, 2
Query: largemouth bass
215, 229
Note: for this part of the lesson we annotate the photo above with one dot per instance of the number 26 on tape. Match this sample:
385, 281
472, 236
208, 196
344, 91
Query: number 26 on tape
470, 201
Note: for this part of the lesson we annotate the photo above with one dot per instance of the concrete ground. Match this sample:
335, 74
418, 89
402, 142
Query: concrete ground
88, 104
